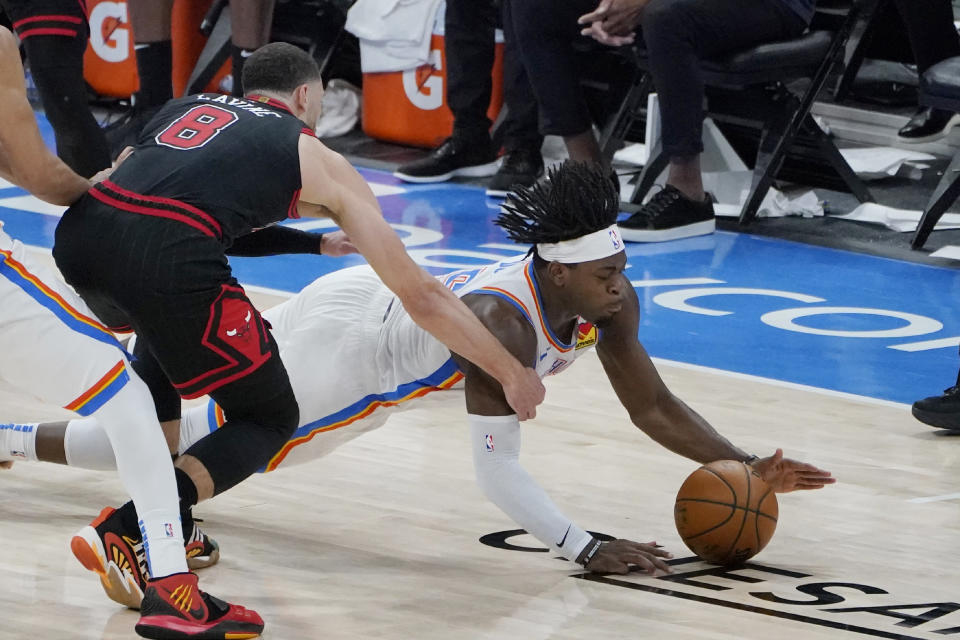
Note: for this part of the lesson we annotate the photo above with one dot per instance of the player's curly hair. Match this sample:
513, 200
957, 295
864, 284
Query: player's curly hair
576, 198
280, 67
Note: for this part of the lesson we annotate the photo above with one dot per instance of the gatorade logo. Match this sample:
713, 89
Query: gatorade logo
110, 31
424, 88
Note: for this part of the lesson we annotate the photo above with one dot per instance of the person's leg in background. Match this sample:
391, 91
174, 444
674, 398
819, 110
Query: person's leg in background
544, 32
54, 36
151, 24
150, 21
469, 49
678, 34
522, 160
933, 38
251, 21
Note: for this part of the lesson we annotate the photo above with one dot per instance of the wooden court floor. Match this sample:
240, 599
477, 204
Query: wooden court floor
380, 539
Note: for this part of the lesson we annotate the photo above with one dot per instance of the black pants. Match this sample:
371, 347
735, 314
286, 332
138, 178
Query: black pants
469, 39
933, 37
54, 36
677, 35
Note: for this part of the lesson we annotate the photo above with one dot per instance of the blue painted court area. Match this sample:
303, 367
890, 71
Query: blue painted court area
821, 317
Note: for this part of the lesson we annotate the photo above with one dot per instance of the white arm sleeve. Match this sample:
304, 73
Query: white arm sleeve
496, 459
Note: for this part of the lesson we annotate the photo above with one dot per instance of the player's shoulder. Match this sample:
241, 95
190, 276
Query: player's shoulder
501, 318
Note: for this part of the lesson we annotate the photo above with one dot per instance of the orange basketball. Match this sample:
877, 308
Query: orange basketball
725, 512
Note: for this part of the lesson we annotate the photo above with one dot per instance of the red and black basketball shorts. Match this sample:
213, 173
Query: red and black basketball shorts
30, 18
172, 285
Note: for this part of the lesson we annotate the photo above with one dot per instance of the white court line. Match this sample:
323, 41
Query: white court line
939, 343
948, 496
673, 282
33, 205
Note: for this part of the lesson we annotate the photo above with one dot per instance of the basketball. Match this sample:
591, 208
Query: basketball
725, 512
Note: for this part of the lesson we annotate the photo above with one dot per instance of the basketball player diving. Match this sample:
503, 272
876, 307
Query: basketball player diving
146, 250
567, 296
45, 326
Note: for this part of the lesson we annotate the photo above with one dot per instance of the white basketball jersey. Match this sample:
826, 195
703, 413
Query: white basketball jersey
515, 282
354, 355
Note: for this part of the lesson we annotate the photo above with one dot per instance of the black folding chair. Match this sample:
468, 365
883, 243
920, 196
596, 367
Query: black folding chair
940, 89
751, 90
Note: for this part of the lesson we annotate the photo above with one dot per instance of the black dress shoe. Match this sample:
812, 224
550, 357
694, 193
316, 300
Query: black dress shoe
940, 411
455, 157
519, 168
669, 215
928, 124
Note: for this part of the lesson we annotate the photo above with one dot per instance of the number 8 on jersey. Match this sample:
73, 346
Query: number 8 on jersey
196, 127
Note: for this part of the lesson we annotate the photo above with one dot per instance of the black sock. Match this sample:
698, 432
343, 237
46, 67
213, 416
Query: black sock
188, 497
155, 67
239, 56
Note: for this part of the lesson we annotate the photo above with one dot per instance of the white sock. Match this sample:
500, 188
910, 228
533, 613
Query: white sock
144, 467
18, 442
87, 446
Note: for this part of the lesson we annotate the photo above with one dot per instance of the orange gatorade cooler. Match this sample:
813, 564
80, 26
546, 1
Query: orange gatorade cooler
109, 64
410, 107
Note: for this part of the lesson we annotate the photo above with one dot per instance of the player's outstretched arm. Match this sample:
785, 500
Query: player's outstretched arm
332, 188
24, 159
668, 420
495, 440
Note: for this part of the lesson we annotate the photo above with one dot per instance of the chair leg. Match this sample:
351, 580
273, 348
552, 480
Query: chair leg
657, 161
832, 155
214, 54
946, 193
778, 134
619, 124
856, 47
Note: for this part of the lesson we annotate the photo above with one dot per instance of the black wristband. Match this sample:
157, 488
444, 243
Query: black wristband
276, 240
588, 552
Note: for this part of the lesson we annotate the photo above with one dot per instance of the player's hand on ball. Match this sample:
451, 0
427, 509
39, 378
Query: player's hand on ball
784, 474
336, 244
622, 556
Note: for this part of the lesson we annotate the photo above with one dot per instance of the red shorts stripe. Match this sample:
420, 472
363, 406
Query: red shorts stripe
167, 201
47, 32
51, 18
160, 213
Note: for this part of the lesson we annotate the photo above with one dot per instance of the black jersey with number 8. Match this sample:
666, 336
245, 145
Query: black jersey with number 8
233, 159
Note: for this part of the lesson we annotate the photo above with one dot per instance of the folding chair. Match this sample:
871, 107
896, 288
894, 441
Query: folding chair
940, 89
754, 83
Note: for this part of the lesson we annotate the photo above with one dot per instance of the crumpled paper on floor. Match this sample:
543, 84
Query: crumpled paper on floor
874, 163
903, 220
731, 188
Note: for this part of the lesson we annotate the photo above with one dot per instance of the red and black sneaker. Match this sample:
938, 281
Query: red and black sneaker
115, 555
174, 608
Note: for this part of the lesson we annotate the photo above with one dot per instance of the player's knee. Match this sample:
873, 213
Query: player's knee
287, 417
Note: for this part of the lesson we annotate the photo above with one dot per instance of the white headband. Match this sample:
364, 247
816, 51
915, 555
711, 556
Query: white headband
593, 246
